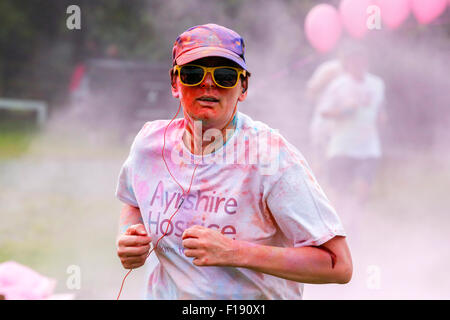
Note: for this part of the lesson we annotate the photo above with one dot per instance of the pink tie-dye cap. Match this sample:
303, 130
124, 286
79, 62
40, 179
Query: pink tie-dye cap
208, 40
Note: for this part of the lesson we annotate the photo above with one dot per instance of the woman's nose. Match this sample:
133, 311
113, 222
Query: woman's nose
208, 81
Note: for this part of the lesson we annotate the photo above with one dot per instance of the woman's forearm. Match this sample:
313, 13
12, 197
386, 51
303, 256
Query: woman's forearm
305, 264
129, 216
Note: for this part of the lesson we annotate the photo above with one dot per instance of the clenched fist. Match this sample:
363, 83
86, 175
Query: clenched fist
133, 246
209, 247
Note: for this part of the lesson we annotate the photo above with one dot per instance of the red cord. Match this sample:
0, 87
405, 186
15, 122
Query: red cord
176, 181
184, 193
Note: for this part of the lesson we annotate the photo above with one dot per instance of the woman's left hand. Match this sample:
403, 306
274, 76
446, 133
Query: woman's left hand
209, 247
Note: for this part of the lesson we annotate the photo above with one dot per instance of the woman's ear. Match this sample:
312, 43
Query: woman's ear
174, 85
244, 85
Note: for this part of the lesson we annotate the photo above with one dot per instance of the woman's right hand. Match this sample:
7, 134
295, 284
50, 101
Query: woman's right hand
133, 246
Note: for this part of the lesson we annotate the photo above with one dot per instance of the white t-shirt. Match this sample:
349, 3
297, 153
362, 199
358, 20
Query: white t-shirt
355, 135
274, 201
320, 80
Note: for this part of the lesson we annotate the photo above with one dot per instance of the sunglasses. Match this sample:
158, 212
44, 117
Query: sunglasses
224, 77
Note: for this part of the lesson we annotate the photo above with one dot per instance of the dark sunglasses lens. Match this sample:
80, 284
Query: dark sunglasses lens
191, 74
226, 77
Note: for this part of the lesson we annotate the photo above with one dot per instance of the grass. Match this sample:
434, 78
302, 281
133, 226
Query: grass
27, 251
15, 137
58, 206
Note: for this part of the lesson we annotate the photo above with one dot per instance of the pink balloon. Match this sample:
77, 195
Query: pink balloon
394, 12
426, 11
354, 16
323, 27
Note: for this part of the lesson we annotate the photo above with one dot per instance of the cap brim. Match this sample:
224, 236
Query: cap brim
204, 52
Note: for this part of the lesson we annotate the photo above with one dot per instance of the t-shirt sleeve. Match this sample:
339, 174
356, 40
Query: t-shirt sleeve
301, 209
124, 189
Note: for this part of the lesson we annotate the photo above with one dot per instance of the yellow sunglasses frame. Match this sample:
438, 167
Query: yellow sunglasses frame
209, 70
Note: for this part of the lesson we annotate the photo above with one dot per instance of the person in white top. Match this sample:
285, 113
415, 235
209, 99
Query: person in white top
232, 209
354, 102
320, 127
